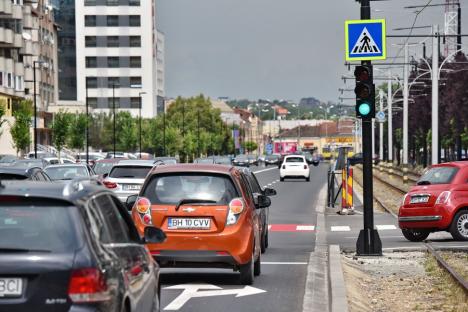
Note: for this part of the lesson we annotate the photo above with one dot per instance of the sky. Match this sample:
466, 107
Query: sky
273, 49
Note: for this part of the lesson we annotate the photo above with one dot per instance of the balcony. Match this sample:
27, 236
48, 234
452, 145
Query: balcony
29, 48
28, 74
6, 8
19, 69
6, 37
17, 12
27, 17
17, 40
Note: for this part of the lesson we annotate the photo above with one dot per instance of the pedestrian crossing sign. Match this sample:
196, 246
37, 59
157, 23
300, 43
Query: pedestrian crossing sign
365, 40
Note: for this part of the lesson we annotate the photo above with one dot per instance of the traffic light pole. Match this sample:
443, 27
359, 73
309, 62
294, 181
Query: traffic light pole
368, 243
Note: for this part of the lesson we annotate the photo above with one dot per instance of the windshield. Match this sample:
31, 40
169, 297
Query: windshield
30, 227
135, 172
103, 167
272, 157
66, 173
241, 157
174, 188
294, 160
438, 175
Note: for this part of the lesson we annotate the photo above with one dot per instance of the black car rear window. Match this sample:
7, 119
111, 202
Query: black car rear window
170, 189
137, 172
438, 175
32, 227
12, 176
294, 160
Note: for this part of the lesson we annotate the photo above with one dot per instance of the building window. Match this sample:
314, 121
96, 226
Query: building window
113, 62
134, 20
135, 102
135, 41
9, 80
90, 3
92, 102
135, 82
135, 61
90, 20
134, 2
90, 41
91, 82
112, 2
91, 62
113, 101
1, 78
113, 82
112, 20
113, 41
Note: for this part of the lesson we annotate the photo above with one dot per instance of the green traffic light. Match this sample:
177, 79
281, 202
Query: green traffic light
364, 109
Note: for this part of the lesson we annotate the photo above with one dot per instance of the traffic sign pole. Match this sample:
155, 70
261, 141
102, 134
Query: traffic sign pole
368, 243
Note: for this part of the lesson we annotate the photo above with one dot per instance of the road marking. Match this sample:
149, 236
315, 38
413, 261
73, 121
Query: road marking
340, 228
386, 227
265, 170
291, 227
389, 236
192, 291
288, 263
305, 228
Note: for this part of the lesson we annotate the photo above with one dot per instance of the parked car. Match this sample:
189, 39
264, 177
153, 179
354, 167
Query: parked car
208, 214
40, 154
208, 160
7, 160
26, 173
295, 166
272, 160
58, 161
127, 176
29, 163
263, 213
92, 158
73, 247
241, 161
120, 155
438, 202
103, 166
253, 160
66, 172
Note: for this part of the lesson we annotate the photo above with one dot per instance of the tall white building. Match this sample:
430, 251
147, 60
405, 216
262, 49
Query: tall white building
117, 55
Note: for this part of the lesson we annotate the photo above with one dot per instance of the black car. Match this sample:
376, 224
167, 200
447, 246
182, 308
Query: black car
355, 159
18, 173
73, 247
264, 213
272, 160
241, 161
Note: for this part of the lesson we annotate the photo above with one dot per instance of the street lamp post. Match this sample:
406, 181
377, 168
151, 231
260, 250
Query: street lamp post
87, 124
35, 106
113, 112
139, 121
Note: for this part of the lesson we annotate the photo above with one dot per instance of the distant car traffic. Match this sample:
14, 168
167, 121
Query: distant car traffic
7, 160
208, 214
166, 160
253, 160
29, 163
127, 176
294, 166
66, 172
18, 173
58, 161
272, 160
438, 202
208, 160
222, 160
103, 166
241, 161
73, 247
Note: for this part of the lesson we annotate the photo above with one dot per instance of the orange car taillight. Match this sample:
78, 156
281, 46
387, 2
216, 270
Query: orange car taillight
88, 285
443, 198
143, 206
236, 206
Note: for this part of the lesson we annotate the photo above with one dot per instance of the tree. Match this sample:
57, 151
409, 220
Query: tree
20, 131
2, 113
250, 146
77, 135
60, 129
126, 134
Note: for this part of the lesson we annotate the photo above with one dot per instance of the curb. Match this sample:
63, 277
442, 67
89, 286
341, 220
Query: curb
338, 299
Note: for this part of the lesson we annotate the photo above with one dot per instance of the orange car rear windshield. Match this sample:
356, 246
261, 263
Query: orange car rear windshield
171, 189
438, 175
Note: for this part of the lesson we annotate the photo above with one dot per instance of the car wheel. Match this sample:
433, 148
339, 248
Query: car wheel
282, 179
459, 227
263, 241
415, 235
258, 266
308, 179
266, 238
247, 272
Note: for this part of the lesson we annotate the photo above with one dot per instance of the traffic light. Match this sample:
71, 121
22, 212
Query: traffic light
365, 92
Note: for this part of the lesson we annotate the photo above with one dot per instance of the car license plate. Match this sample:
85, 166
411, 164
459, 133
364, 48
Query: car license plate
11, 287
132, 187
189, 223
419, 199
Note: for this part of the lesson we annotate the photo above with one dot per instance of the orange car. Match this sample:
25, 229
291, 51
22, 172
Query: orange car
208, 215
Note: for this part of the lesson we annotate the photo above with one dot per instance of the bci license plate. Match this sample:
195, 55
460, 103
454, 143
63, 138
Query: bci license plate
189, 223
11, 287
132, 187
419, 199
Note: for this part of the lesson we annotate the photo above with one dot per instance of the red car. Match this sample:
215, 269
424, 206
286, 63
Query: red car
439, 202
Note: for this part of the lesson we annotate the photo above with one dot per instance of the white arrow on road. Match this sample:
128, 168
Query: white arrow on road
192, 291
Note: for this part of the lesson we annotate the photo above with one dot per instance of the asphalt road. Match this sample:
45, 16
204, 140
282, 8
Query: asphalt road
281, 285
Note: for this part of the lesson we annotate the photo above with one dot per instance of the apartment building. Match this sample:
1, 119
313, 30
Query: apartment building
117, 56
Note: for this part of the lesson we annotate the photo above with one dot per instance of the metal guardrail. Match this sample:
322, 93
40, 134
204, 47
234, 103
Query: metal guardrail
460, 280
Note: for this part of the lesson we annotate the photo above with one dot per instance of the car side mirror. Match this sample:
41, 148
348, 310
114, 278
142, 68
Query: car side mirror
105, 175
269, 192
154, 235
131, 201
262, 201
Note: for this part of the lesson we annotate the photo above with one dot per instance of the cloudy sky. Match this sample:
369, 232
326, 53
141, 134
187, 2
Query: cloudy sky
284, 49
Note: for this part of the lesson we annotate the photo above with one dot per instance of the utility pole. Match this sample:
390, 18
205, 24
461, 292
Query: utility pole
87, 125
405, 110
368, 242
113, 109
435, 96
381, 138
390, 121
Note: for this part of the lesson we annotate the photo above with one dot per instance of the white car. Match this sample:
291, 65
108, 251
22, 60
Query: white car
294, 166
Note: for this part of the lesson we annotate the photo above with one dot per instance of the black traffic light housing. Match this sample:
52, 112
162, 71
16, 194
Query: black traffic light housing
365, 92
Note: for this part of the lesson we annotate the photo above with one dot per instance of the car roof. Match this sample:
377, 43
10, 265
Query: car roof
72, 191
66, 165
134, 162
459, 164
108, 160
192, 168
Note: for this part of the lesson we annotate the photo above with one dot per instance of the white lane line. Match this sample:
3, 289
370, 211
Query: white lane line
289, 263
390, 236
265, 170
340, 228
305, 228
386, 227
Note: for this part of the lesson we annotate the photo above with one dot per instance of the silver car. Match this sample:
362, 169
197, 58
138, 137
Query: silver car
127, 176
